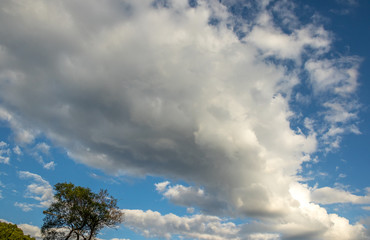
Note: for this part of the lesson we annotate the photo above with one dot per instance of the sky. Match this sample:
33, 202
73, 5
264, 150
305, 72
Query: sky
205, 119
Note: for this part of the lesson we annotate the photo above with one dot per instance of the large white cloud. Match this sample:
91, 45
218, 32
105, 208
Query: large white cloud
136, 88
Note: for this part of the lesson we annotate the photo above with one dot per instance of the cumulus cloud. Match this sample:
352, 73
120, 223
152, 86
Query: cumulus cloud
39, 190
136, 88
153, 224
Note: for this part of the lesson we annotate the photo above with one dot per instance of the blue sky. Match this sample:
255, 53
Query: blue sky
205, 119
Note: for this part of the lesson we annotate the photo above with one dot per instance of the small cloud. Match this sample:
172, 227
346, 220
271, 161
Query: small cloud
43, 147
190, 210
3, 144
342, 175
17, 150
26, 207
4, 152
49, 165
160, 187
367, 208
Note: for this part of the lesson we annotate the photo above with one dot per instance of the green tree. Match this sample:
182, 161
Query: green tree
79, 213
10, 231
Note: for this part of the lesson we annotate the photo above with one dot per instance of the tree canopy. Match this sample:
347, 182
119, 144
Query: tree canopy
79, 213
10, 231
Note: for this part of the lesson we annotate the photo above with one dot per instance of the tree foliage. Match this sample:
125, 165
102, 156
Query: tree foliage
79, 213
10, 231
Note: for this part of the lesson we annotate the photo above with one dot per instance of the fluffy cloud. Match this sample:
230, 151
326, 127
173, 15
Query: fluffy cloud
153, 224
136, 88
40, 190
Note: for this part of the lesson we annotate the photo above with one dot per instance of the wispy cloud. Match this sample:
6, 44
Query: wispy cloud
39, 190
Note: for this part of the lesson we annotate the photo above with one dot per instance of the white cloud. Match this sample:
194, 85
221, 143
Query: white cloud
327, 195
4, 152
153, 224
26, 207
342, 175
39, 152
28, 229
31, 230
336, 75
40, 190
275, 43
43, 147
49, 165
133, 89
17, 150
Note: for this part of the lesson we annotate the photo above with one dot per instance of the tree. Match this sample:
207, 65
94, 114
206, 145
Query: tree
10, 231
79, 213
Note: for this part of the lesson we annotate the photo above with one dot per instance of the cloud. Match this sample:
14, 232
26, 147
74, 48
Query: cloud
4, 152
17, 150
135, 89
40, 190
28, 229
327, 195
153, 224
39, 152
367, 208
192, 196
31, 230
